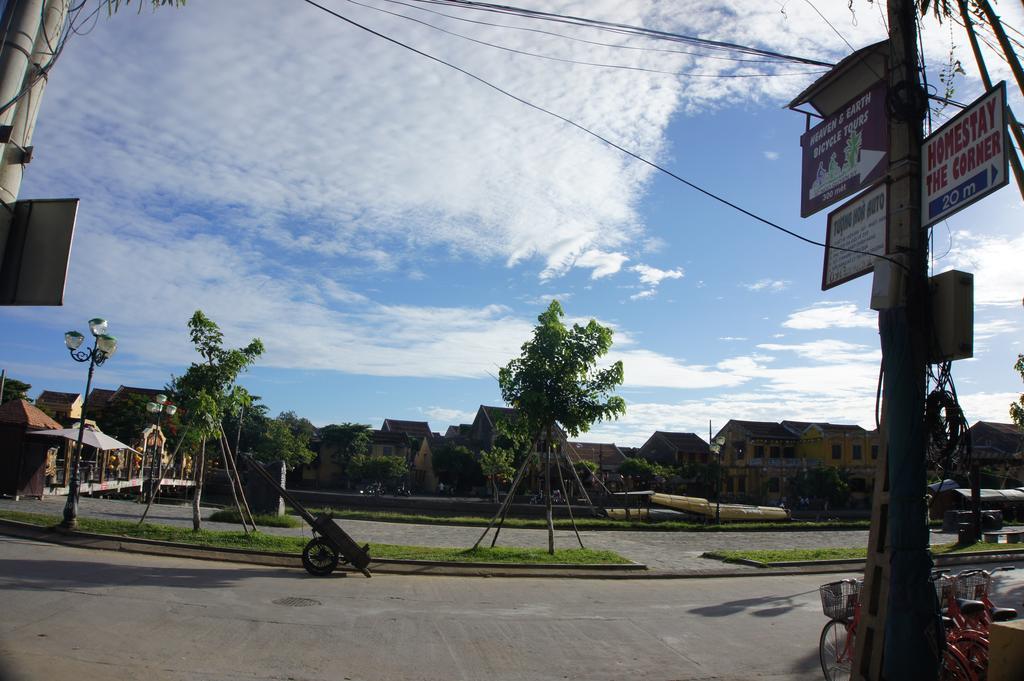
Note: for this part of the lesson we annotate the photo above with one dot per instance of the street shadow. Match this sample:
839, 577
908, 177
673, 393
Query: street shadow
762, 606
60, 574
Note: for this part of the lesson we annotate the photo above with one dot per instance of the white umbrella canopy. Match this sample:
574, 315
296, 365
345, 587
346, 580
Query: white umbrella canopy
91, 438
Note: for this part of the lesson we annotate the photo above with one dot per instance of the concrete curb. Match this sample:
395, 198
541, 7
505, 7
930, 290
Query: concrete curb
842, 564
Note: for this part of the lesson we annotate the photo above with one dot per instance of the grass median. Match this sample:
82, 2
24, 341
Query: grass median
768, 556
259, 541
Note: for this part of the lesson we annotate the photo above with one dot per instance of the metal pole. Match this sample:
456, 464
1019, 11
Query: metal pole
71, 506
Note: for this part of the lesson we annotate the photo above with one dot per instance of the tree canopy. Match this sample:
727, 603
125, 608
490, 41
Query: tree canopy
556, 378
280, 442
345, 441
380, 468
15, 390
456, 464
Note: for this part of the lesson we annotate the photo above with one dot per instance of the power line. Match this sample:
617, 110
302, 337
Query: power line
565, 60
622, 28
596, 135
618, 46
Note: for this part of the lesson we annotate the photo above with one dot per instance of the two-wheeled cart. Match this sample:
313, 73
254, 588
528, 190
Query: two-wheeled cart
323, 553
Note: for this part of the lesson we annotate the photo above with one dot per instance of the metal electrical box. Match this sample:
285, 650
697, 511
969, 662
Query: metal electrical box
952, 297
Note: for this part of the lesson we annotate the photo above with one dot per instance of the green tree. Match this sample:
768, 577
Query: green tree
279, 442
125, 418
377, 468
15, 390
637, 468
300, 426
497, 466
1017, 408
556, 380
206, 391
456, 465
828, 483
344, 441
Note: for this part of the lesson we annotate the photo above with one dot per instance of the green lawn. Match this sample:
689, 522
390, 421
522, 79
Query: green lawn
230, 515
789, 555
258, 541
590, 523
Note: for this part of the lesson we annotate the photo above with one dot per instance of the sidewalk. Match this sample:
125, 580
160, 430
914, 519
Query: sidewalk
660, 551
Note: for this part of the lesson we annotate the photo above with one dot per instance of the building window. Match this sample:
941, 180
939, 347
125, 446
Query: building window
789, 453
773, 485
388, 450
837, 451
774, 452
741, 485
874, 451
728, 485
738, 448
759, 452
857, 454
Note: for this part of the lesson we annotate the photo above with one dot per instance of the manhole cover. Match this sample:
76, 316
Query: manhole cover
296, 602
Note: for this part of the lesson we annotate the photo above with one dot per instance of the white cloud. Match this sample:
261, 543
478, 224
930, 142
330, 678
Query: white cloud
652, 276
771, 285
826, 350
995, 262
732, 338
649, 293
771, 155
447, 416
602, 264
831, 315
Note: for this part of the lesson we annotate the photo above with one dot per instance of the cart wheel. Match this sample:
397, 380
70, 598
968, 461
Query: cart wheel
319, 557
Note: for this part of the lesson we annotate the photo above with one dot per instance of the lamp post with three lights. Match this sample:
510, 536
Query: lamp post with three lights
103, 347
716, 449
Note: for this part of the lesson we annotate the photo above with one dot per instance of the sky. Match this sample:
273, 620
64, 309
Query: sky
391, 228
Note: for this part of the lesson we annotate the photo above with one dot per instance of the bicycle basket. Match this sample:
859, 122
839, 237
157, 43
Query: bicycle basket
838, 599
972, 586
943, 588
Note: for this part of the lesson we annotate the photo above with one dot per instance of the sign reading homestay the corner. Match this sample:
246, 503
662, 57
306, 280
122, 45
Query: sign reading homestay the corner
857, 232
965, 160
846, 152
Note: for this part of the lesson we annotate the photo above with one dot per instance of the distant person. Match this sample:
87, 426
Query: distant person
440, 488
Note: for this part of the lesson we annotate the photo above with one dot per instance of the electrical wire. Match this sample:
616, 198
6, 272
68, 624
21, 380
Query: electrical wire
622, 28
600, 137
577, 62
619, 46
834, 29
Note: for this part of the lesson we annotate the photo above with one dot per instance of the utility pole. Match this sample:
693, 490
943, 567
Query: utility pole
30, 44
913, 631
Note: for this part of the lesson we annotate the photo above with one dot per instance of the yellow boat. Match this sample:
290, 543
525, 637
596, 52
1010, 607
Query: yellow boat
703, 507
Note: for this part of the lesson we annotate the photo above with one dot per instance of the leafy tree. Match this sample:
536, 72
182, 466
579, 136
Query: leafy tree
1017, 408
300, 426
206, 391
555, 380
125, 418
279, 442
345, 441
497, 466
456, 465
377, 468
15, 390
637, 468
827, 483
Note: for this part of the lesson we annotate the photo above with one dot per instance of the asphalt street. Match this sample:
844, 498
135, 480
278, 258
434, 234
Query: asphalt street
72, 614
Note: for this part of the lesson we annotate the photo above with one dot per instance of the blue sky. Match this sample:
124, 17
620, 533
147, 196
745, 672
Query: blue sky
391, 228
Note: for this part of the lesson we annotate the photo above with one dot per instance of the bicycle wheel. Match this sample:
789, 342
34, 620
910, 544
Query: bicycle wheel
974, 649
319, 557
835, 652
955, 666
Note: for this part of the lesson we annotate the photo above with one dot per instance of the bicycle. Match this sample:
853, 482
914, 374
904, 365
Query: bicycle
840, 602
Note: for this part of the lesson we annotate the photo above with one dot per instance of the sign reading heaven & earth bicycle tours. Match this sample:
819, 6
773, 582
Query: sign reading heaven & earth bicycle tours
846, 152
858, 225
965, 160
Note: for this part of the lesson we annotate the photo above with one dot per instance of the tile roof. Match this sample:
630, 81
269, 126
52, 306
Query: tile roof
54, 397
1005, 440
125, 390
99, 397
683, 441
597, 452
413, 428
764, 430
21, 413
798, 427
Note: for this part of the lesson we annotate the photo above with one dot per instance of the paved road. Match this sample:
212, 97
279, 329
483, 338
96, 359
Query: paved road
72, 614
658, 550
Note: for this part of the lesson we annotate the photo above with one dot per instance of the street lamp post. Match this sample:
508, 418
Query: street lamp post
103, 347
159, 407
716, 449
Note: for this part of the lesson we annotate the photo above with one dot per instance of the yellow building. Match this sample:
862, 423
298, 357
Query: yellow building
759, 457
